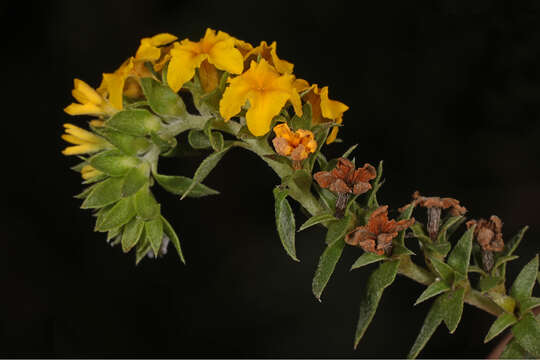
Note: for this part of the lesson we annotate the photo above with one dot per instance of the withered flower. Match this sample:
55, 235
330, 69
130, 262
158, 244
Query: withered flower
488, 234
295, 145
344, 180
376, 237
435, 205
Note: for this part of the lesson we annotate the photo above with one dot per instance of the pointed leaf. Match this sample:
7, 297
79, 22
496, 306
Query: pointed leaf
453, 308
372, 194
524, 283
178, 185
206, 166
442, 236
317, 219
153, 230
431, 323
504, 259
113, 162
445, 271
511, 246
366, 259
302, 178
337, 230
128, 144
527, 334
478, 270
136, 122
285, 222
143, 247
326, 266
405, 215
106, 192
131, 234
135, 178
514, 351
349, 151
461, 254
145, 204
487, 283
434, 289
529, 304
162, 100
120, 214
503, 321
379, 280
171, 234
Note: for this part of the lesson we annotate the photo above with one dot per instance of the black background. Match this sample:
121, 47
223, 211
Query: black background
447, 93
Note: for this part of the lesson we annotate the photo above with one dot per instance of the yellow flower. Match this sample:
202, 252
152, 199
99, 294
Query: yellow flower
85, 142
113, 84
323, 109
88, 172
90, 101
216, 50
269, 54
267, 92
150, 48
296, 145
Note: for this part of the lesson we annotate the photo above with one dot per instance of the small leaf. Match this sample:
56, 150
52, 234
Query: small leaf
505, 302
128, 144
302, 179
145, 204
171, 234
198, 139
135, 178
178, 185
461, 254
317, 219
206, 166
511, 246
405, 215
442, 248
349, 151
113, 162
504, 259
434, 289
487, 283
400, 250
136, 122
120, 214
514, 351
285, 222
499, 325
441, 237
431, 323
367, 258
528, 304
379, 280
372, 195
524, 283
303, 122
131, 234
527, 333
106, 192
326, 266
143, 246
162, 100
154, 233
420, 234
337, 230
453, 308
477, 269
444, 270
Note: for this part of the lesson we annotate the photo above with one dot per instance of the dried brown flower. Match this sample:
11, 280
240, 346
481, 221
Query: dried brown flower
295, 145
346, 179
376, 237
437, 202
488, 233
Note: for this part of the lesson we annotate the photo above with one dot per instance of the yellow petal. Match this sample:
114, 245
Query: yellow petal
226, 57
81, 149
283, 131
147, 51
208, 75
331, 109
84, 93
73, 139
282, 66
264, 106
185, 58
234, 97
300, 85
162, 39
86, 109
296, 102
82, 134
115, 88
333, 134
97, 123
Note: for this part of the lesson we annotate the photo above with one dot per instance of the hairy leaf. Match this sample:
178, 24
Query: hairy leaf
499, 325
366, 259
120, 214
524, 283
206, 166
162, 100
527, 334
529, 304
145, 204
135, 178
327, 264
113, 162
431, 323
461, 254
317, 219
453, 308
434, 289
337, 230
285, 222
171, 234
445, 271
131, 234
136, 122
106, 192
178, 185
489, 282
153, 230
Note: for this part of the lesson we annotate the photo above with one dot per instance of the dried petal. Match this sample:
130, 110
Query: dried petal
324, 179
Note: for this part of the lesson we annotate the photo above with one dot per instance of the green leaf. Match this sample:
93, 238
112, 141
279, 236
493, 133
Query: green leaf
143, 246
136, 122
431, 323
84, 194
441, 248
154, 233
524, 283
206, 166
375, 186
461, 254
444, 270
420, 234
453, 308
178, 185
165, 145
514, 351
302, 179
113, 162
162, 100
478, 270
106, 192
405, 215
400, 250
120, 214
198, 139
337, 230
171, 234
379, 280
504, 259
441, 237
529, 304
511, 246
128, 144
527, 334
145, 204
317, 219
303, 122
434, 289
326, 266
285, 222
135, 178
349, 151
487, 283
499, 325
505, 302
366, 259
131, 234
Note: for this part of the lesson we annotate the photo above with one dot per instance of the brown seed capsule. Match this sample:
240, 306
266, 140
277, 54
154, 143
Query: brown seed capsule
376, 237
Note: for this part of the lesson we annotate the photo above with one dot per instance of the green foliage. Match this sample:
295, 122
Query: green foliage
527, 334
303, 122
131, 234
366, 259
145, 204
153, 230
323, 218
326, 266
178, 185
461, 254
118, 215
128, 144
376, 185
136, 122
514, 351
338, 229
285, 222
113, 162
499, 325
104, 193
524, 283
162, 100
171, 234
434, 289
135, 178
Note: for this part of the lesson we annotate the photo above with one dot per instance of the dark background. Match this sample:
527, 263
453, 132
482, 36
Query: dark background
447, 93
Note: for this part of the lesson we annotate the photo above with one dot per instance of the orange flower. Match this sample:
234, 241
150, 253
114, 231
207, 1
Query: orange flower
345, 179
269, 53
437, 202
376, 237
296, 145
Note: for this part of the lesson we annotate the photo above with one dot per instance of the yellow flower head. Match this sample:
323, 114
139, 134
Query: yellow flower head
90, 101
88, 172
267, 92
269, 54
113, 84
150, 49
85, 142
214, 51
296, 145
323, 109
